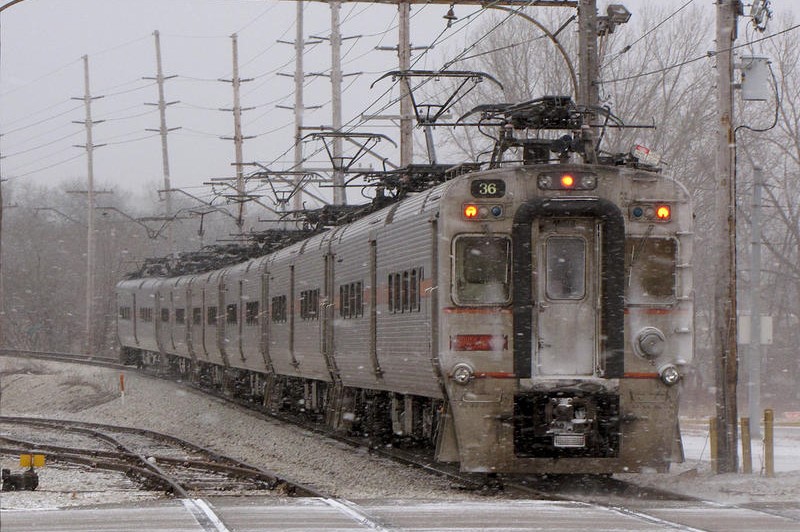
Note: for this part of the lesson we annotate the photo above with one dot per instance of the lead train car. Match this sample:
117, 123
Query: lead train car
533, 319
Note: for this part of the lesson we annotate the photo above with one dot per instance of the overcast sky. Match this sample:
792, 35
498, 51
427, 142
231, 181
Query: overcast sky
41, 71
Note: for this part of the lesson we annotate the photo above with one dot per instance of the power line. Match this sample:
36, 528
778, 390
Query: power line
40, 146
138, 139
37, 170
706, 56
40, 78
642, 37
135, 89
49, 118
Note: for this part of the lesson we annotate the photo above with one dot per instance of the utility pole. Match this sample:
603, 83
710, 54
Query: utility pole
90, 242
237, 130
404, 59
754, 380
724, 236
299, 107
589, 71
2, 297
339, 192
163, 130
299, 44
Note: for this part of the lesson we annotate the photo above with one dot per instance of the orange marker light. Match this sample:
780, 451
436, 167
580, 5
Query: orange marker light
663, 212
567, 181
470, 211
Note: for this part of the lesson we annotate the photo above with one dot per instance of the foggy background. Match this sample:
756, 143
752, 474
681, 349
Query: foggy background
665, 77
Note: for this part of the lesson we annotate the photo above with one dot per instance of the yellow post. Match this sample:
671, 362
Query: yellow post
769, 451
31, 460
712, 439
747, 456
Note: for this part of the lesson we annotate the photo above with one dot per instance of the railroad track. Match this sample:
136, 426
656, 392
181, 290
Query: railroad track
596, 491
156, 461
74, 358
160, 461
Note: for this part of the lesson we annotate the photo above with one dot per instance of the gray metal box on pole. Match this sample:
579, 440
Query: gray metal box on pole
755, 78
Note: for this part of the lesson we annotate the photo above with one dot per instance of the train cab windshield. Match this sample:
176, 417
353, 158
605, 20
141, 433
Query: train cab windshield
482, 270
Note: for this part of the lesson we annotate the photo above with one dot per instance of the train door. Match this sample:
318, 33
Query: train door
565, 297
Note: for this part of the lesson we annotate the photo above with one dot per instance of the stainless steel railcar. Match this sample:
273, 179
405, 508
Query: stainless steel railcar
531, 319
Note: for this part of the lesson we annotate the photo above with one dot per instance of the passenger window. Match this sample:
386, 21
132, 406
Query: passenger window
482, 270
232, 313
650, 271
566, 268
251, 313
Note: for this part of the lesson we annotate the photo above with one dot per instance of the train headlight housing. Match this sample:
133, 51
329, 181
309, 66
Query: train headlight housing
669, 374
481, 211
462, 373
650, 343
567, 181
650, 212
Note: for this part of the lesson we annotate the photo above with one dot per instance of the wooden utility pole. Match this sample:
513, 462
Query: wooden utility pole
724, 236
588, 91
163, 130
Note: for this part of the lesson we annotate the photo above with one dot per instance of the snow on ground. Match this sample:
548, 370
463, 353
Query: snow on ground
50, 389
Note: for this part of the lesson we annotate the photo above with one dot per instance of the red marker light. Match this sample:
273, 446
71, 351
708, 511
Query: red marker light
470, 211
567, 181
663, 212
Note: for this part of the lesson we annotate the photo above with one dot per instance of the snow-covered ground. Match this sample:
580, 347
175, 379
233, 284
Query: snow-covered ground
786, 448
49, 389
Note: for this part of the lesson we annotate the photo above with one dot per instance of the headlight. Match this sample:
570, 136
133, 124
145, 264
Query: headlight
462, 373
650, 342
669, 374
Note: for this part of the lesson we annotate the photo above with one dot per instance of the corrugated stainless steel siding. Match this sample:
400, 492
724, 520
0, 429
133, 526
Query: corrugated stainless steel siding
309, 274
279, 332
404, 338
351, 336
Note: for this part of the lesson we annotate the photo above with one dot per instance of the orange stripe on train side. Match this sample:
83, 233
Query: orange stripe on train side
495, 375
633, 375
476, 310
655, 311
